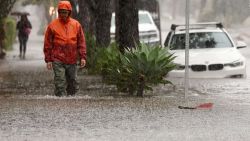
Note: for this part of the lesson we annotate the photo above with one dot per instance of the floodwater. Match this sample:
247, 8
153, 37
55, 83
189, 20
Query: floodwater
30, 112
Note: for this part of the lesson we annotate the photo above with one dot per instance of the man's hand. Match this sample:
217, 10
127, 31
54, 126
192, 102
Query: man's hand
49, 66
82, 63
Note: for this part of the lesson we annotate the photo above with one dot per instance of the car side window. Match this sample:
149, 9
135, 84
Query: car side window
177, 42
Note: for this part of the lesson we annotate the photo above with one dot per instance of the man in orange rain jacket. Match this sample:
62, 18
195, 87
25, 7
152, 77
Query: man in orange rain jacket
64, 43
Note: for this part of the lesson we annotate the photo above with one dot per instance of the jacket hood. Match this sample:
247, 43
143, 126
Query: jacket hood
64, 5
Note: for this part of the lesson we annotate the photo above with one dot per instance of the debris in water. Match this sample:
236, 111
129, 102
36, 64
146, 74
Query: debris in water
201, 106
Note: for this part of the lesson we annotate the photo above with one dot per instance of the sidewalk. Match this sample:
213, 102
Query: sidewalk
34, 52
34, 56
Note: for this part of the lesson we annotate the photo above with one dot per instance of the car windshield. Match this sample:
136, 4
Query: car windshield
201, 40
143, 19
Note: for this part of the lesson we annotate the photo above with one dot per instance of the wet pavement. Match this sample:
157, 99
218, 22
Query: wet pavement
36, 115
30, 112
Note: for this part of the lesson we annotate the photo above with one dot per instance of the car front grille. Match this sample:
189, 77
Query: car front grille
198, 67
214, 67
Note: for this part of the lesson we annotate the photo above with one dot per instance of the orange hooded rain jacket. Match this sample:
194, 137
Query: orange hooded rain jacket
64, 40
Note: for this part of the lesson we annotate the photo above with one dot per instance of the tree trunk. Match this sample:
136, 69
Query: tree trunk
141, 86
95, 16
131, 90
127, 33
83, 15
103, 22
74, 13
87, 16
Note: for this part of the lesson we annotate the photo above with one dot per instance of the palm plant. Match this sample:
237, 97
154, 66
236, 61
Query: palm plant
147, 66
137, 69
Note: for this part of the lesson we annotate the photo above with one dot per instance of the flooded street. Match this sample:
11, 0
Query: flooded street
30, 112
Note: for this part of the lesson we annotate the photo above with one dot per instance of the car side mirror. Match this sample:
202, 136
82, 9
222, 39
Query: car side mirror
240, 44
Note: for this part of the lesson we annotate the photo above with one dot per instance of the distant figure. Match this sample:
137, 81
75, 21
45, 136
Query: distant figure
24, 28
64, 44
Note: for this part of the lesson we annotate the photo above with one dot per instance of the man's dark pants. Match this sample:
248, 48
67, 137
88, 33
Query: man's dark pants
65, 78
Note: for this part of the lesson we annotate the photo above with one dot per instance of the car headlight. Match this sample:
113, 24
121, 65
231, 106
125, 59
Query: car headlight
234, 64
